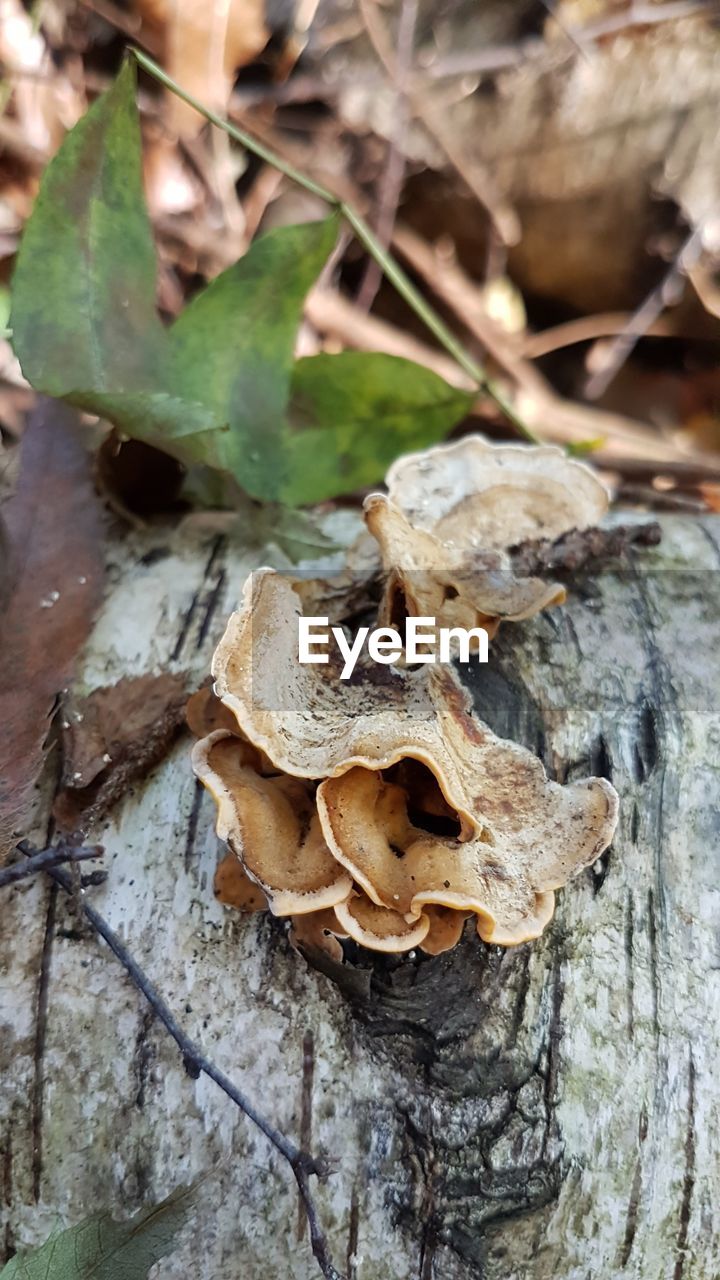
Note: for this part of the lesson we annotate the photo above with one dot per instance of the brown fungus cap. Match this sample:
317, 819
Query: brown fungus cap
379, 928
204, 713
536, 836
318, 931
272, 825
446, 927
234, 888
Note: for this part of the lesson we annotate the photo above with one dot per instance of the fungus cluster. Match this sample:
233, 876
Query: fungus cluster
384, 809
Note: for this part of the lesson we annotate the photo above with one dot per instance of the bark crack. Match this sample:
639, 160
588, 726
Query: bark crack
189, 616
37, 1093
629, 939
631, 1221
192, 825
688, 1178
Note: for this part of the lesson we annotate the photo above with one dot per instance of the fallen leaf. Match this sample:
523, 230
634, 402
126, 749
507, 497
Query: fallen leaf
104, 1249
112, 738
46, 102
55, 531
205, 44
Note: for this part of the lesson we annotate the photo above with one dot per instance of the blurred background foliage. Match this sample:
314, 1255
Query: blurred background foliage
546, 172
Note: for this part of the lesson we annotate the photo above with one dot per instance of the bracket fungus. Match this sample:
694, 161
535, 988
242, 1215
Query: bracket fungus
382, 808
452, 514
474, 494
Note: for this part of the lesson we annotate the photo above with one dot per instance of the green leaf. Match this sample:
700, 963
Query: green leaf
296, 533
581, 448
101, 1249
232, 349
352, 414
218, 389
83, 308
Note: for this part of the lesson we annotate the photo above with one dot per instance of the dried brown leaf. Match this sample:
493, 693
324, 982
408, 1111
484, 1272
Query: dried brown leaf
55, 568
112, 738
205, 44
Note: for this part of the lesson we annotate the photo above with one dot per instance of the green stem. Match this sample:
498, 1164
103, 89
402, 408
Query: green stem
365, 235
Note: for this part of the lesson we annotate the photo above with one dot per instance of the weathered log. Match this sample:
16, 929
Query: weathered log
544, 1111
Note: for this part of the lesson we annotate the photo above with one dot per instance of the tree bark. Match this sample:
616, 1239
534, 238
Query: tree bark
546, 1111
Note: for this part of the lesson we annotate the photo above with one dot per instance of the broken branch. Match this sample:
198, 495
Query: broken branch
46, 860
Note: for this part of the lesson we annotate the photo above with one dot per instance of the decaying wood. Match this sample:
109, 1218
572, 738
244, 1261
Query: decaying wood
544, 1111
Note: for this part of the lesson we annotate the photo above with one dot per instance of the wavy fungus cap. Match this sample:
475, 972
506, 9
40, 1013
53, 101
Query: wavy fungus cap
452, 513
421, 808
474, 494
272, 826
458, 588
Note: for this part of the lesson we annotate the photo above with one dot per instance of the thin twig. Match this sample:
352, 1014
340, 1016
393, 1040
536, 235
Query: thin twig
330, 313
646, 15
365, 235
303, 1165
46, 859
392, 180
662, 296
565, 420
504, 57
570, 34
585, 329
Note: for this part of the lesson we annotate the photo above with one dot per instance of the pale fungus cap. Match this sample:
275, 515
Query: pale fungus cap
452, 513
457, 587
313, 725
474, 494
380, 928
507, 836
